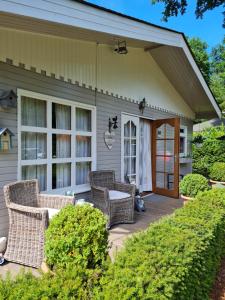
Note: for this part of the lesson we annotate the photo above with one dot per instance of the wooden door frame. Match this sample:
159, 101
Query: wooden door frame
175, 122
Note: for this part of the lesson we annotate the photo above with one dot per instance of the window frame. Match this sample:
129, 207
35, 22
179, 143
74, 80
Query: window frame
50, 131
184, 135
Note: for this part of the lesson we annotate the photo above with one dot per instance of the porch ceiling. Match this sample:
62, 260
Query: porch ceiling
45, 27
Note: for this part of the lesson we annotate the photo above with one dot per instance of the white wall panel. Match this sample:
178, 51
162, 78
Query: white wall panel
135, 75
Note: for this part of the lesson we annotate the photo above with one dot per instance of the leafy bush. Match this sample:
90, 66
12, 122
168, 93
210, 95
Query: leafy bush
217, 171
211, 149
69, 283
191, 184
176, 258
77, 235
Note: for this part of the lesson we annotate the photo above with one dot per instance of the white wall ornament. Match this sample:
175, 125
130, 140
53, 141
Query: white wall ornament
109, 138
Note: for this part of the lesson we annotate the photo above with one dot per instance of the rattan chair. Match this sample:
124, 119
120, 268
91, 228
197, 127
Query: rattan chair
28, 221
118, 210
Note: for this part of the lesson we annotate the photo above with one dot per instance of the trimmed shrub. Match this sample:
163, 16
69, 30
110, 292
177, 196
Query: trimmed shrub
69, 283
176, 258
217, 171
77, 235
192, 184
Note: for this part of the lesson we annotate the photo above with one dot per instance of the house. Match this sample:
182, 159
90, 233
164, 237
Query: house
95, 90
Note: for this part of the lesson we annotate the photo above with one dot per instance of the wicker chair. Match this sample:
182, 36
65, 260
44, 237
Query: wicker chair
27, 221
118, 210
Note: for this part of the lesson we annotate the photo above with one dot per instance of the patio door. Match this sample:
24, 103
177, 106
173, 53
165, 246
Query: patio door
165, 164
130, 149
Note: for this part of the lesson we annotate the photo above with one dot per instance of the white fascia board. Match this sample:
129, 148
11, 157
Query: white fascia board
200, 77
79, 15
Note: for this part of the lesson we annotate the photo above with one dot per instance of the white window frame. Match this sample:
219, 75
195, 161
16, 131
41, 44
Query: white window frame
184, 135
49, 131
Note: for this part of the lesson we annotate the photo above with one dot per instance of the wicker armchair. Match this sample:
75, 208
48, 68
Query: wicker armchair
28, 221
118, 210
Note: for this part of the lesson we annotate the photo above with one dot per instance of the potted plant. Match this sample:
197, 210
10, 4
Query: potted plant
217, 173
191, 184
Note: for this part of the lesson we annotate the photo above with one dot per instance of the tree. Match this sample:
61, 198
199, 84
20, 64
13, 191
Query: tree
174, 7
199, 49
212, 66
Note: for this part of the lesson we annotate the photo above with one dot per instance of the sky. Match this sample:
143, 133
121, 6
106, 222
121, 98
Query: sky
208, 29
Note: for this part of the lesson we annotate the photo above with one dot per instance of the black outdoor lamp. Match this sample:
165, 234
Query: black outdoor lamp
142, 105
121, 47
113, 123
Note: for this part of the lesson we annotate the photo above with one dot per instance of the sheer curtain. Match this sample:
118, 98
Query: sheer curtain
63, 175
83, 146
62, 148
82, 171
61, 116
145, 167
37, 172
33, 112
83, 119
33, 145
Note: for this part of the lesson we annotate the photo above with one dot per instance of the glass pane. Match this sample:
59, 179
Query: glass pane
61, 116
182, 142
159, 180
83, 119
160, 147
126, 147
133, 130
169, 131
61, 146
127, 129
33, 112
36, 172
170, 181
83, 146
132, 179
160, 164
160, 132
169, 147
61, 175
126, 167
133, 165
133, 147
169, 162
33, 145
82, 172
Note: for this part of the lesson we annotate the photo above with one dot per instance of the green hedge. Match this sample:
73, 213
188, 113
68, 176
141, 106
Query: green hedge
217, 171
77, 235
176, 258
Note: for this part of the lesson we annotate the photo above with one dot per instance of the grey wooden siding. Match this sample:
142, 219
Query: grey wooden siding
107, 106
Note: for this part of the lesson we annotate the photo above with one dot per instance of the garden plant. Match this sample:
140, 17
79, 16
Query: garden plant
192, 184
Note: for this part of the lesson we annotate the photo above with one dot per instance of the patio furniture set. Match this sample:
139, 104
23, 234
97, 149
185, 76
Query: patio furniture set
30, 212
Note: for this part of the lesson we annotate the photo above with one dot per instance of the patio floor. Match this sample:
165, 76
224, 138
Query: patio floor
156, 207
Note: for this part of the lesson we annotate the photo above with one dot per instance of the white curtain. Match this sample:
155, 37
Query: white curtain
35, 172
63, 146
83, 146
145, 167
62, 116
33, 145
63, 175
82, 171
33, 112
83, 119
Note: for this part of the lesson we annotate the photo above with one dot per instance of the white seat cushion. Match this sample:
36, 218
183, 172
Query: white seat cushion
115, 195
51, 212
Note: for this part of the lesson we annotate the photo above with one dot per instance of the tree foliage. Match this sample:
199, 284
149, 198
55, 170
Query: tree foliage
212, 65
174, 7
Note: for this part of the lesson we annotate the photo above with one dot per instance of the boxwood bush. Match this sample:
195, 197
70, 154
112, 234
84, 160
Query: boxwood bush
192, 184
217, 171
176, 258
69, 283
77, 235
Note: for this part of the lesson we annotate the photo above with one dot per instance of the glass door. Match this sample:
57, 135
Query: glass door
166, 157
129, 149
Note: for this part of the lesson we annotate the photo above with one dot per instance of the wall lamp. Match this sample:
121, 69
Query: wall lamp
121, 47
142, 105
113, 123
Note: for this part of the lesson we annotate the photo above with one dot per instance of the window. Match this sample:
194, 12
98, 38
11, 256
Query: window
57, 140
183, 141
